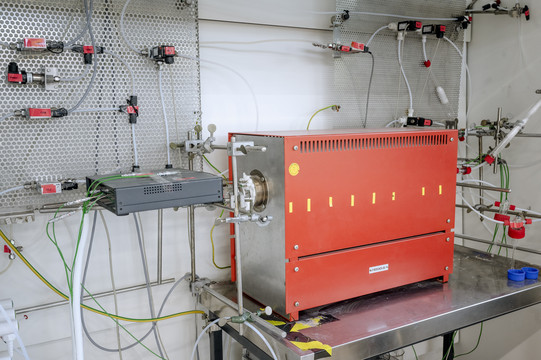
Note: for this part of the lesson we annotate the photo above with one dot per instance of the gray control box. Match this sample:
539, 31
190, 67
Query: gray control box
157, 190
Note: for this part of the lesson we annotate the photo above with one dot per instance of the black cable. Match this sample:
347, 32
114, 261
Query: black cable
369, 88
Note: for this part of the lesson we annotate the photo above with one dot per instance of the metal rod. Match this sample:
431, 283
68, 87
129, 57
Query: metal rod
480, 168
86, 297
160, 246
238, 263
218, 147
532, 135
488, 242
487, 209
191, 227
484, 187
495, 12
262, 324
497, 135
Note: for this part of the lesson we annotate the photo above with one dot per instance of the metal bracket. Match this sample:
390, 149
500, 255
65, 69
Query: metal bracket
51, 79
21, 218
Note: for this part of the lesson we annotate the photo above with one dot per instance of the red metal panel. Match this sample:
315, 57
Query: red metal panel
348, 190
323, 279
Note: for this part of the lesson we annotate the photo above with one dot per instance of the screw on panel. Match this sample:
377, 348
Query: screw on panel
448, 239
296, 247
452, 139
297, 303
447, 268
295, 148
448, 221
297, 269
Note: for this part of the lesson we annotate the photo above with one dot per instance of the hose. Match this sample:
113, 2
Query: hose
4, 117
375, 33
468, 76
424, 48
128, 67
80, 77
16, 188
254, 98
122, 30
135, 156
15, 331
164, 116
77, 111
93, 41
147, 281
386, 15
77, 275
404, 75
85, 28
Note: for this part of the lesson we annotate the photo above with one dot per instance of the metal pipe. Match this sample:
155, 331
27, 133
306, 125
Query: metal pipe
488, 242
531, 135
218, 147
86, 297
238, 263
497, 135
487, 209
480, 168
262, 324
191, 227
484, 187
160, 246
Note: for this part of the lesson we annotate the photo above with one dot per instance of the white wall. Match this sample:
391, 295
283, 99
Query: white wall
504, 57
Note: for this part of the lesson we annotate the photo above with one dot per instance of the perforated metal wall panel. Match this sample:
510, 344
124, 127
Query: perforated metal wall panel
86, 144
389, 96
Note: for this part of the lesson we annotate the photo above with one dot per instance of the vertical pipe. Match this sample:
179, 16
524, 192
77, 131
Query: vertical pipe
481, 168
237, 231
160, 246
497, 136
191, 226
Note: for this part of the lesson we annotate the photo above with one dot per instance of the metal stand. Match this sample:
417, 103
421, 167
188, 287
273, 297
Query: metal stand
216, 348
448, 342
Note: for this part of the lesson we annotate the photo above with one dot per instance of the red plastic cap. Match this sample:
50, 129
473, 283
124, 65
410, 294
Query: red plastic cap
427, 63
528, 221
345, 48
7, 250
489, 159
418, 24
519, 233
467, 170
501, 217
461, 138
512, 207
497, 203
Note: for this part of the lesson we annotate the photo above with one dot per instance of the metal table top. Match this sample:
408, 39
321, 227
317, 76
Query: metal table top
374, 324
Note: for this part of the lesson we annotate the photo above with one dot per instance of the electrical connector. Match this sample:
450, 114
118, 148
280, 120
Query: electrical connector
409, 26
163, 53
87, 51
418, 121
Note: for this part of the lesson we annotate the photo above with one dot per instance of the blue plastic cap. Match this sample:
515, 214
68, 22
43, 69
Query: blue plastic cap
531, 273
516, 274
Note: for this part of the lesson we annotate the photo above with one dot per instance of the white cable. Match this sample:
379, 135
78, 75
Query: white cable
4, 117
424, 47
391, 123
234, 72
477, 181
404, 74
6, 268
135, 157
15, 331
94, 110
16, 188
130, 70
387, 15
80, 77
262, 338
122, 30
468, 75
375, 33
76, 299
478, 213
164, 116
203, 333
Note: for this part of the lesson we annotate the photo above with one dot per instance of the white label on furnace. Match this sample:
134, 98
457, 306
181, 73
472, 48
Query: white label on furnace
379, 268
